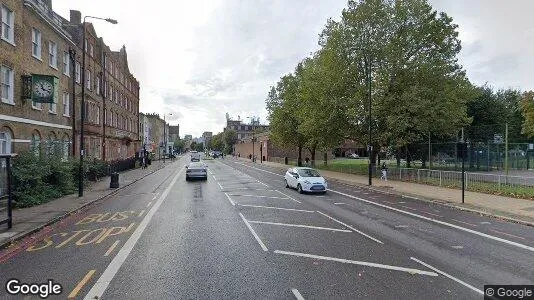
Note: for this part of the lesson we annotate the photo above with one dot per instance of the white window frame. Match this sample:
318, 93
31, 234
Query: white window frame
52, 108
7, 84
37, 105
36, 44
91, 50
66, 64
88, 79
78, 72
52, 54
97, 85
66, 104
8, 21
6, 141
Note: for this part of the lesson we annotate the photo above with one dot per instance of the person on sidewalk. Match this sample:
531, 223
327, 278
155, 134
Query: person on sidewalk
384, 172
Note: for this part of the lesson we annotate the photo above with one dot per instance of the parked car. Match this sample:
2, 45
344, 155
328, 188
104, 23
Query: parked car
354, 156
305, 180
196, 170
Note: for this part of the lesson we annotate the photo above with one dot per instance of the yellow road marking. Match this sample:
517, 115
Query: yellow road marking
112, 248
80, 284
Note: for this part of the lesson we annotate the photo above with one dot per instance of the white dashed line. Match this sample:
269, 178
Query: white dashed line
280, 208
299, 225
355, 262
262, 245
297, 294
230, 199
448, 276
352, 228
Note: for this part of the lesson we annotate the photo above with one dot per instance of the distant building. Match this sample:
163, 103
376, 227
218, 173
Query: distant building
245, 130
174, 133
207, 135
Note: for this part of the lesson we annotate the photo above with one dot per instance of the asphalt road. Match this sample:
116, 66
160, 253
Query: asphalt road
242, 235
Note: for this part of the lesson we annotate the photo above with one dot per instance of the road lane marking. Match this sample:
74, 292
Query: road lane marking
280, 208
519, 237
352, 228
401, 202
485, 223
209, 171
356, 262
457, 247
148, 204
491, 237
432, 214
407, 207
299, 225
258, 196
220, 185
250, 189
339, 203
262, 245
141, 213
289, 196
401, 226
464, 223
229, 199
112, 248
297, 294
262, 183
102, 283
448, 276
80, 284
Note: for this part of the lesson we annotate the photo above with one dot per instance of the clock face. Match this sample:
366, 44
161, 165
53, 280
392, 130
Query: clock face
43, 89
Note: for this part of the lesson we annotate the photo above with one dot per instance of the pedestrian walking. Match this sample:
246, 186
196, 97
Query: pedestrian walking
384, 172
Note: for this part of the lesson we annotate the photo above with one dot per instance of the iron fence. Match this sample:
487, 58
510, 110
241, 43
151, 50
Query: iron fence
6, 197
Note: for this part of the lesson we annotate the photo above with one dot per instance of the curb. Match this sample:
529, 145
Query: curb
4, 245
434, 201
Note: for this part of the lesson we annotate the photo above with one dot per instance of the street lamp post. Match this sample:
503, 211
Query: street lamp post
72, 54
82, 121
253, 129
368, 71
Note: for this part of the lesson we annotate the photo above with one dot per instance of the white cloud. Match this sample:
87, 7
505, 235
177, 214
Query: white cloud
201, 59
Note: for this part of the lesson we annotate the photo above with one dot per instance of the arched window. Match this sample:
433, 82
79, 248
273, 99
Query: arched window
5, 141
35, 145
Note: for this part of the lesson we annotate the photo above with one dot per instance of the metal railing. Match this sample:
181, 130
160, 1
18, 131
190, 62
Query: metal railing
6, 196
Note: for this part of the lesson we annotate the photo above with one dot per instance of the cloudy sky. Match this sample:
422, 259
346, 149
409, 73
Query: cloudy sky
200, 59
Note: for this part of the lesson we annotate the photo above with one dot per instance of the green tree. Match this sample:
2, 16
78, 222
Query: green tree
283, 106
217, 142
527, 111
179, 145
230, 138
417, 86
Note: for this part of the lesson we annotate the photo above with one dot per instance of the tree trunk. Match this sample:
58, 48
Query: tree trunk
299, 159
398, 156
408, 158
312, 151
325, 155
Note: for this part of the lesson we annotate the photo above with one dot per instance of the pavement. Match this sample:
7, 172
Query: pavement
31, 219
242, 235
513, 209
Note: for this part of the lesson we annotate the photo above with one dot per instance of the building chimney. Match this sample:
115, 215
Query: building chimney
75, 17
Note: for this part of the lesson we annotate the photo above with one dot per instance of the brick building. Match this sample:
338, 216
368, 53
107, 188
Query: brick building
33, 41
245, 130
36, 40
266, 148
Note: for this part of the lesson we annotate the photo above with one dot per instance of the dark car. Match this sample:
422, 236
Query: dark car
196, 170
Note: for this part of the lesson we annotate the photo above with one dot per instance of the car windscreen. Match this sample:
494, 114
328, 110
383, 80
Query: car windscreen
196, 166
308, 173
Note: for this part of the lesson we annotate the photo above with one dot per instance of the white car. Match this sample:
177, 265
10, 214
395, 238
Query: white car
305, 180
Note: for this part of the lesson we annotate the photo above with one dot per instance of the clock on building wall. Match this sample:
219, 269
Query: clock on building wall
44, 88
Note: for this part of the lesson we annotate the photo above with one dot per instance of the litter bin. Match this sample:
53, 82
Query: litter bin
114, 180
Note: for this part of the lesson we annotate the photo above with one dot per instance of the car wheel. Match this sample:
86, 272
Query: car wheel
299, 189
323, 193
186, 178
287, 185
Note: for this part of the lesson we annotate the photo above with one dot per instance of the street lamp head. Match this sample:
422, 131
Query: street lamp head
112, 21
